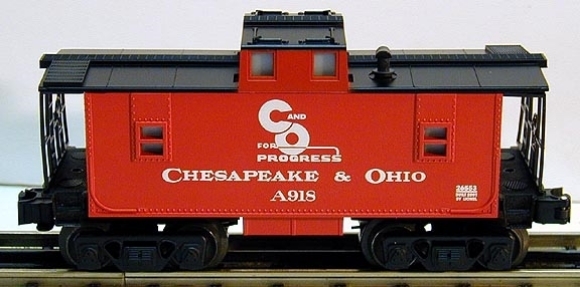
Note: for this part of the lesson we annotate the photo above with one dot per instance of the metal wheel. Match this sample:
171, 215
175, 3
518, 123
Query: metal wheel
397, 256
216, 248
522, 240
498, 257
89, 258
365, 235
64, 240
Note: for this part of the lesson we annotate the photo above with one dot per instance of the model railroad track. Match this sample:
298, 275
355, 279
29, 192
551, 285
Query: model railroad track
32, 260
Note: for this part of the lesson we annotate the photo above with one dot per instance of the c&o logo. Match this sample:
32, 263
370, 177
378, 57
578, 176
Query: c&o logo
283, 128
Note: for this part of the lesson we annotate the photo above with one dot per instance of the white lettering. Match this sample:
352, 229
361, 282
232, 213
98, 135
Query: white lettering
282, 129
206, 175
311, 176
221, 175
299, 158
267, 146
466, 192
279, 196
248, 174
278, 177
234, 176
375, 171
264, 175
393, 176
176, 175
310, 195
377, 176
294, 196
190, 175
418, 176
294, 176
167, 178
296, 117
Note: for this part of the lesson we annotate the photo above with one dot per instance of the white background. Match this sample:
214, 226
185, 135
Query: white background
30, 28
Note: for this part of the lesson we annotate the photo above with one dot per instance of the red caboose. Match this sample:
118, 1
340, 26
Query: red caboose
293, 133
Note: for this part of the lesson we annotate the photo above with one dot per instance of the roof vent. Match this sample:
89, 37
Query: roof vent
259, 40
320, 13
269, 13
327, 40
383, 75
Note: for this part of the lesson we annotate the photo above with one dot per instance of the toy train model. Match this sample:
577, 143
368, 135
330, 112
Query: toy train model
293, 133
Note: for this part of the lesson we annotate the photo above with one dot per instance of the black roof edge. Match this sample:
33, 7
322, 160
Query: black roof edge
454, 59
506, 91
141, 59
81, 90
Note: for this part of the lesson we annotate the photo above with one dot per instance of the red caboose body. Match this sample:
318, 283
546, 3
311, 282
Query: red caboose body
293, 133
223, 155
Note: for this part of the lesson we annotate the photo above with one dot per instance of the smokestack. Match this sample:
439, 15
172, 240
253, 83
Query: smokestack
383, 75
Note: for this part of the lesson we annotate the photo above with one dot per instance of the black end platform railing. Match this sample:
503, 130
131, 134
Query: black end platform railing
53, 132
531, 133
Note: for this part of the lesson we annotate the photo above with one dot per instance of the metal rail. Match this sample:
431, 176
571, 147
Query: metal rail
31, 260
286, 278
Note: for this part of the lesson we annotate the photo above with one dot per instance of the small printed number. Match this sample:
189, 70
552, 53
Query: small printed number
466, 188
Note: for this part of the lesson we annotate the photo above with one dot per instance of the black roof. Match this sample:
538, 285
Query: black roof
80, 70
505, 69
497, 68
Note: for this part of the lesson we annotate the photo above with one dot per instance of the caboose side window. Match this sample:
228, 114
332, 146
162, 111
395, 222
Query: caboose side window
262, 64
151, 149
151, 132
324, 64
435, 132
150, 139
434, 141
